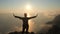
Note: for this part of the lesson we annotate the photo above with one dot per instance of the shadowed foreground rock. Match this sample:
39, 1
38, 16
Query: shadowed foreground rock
56, 26
20, 32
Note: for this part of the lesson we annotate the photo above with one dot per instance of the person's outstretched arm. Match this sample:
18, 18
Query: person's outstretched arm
33, 17
17, 16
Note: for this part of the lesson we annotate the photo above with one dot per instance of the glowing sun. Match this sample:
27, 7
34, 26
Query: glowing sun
28, 7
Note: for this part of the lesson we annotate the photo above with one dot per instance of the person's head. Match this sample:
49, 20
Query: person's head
25, 14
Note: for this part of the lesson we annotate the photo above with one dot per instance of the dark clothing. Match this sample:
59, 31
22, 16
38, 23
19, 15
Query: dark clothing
25, 21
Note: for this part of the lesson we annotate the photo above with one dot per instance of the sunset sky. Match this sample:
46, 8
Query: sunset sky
36, 4
46, 10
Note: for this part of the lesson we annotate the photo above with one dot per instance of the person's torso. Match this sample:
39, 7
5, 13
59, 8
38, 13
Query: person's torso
25, 21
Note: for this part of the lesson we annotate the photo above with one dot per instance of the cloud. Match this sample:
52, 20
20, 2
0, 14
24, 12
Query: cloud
9, 23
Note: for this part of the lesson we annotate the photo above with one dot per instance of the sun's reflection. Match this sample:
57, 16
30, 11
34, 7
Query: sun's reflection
30, 24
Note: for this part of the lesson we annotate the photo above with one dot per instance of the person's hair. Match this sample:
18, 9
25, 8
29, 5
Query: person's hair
25, 14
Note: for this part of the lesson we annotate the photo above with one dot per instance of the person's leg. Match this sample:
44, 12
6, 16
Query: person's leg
23, 30
27, 28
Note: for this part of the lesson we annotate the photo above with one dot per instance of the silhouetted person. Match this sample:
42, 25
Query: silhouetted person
25, 21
